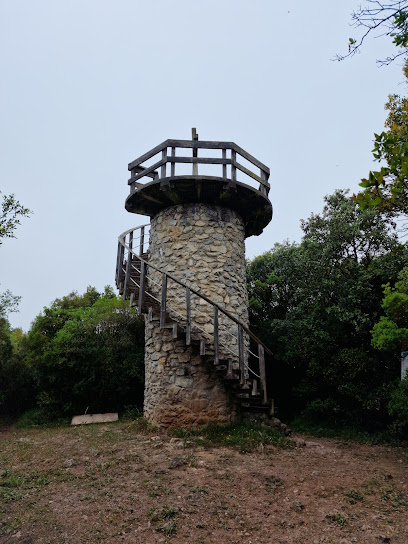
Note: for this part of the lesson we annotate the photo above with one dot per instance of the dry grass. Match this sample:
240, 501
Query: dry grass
129, 482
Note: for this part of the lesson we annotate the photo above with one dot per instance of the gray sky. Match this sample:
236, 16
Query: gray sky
87, 86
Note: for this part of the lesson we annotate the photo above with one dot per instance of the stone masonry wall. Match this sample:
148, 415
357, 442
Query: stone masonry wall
204, 247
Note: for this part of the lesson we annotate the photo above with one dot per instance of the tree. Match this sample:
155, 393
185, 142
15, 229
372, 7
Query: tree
10, 214
391, 332
87, 351
381, 19
314, 305
387, 188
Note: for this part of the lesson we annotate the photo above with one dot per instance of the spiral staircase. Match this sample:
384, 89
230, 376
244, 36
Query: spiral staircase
236, 354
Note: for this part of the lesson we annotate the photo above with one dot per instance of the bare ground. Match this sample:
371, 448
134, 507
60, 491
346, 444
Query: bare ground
115, 483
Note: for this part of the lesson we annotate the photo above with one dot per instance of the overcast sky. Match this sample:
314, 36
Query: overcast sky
89, 85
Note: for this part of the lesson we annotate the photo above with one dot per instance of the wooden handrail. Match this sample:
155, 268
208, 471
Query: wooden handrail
139, 171
122, 238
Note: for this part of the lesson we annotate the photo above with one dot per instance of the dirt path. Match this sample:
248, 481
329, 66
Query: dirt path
112, 483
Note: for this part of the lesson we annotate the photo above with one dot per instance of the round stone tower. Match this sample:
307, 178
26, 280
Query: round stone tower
190, 280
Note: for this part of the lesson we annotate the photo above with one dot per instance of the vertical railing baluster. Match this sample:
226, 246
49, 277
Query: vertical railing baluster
224, 166
195, 138
163, 301
188, 317
173, 164
142, 283
118, 264
233, 167
131, 240
241, 356
216, 349
262, 373
163, 166
127, 276
141, 242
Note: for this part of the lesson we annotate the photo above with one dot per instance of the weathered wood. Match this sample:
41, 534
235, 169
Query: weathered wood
262, 372
127, 275
131, 240
150, 315
254, 387
132, 296
163, 301
138, 169
241, 355
173, 165
202, 346
148, 169
233, 165
188, 316
117, 264
141, 240
149, 154
200, 160
195, 165
216, 346
142, 286
224, 166
247, 172
164, 161
175, 331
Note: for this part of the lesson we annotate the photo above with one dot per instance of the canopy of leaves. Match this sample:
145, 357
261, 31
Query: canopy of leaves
391, 332
83, 351
387, 188
10, 214
314, 305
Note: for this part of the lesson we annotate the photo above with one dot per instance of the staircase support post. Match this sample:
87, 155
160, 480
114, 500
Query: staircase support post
262, 373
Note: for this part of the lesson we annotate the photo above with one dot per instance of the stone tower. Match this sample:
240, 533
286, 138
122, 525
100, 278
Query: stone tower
187, 275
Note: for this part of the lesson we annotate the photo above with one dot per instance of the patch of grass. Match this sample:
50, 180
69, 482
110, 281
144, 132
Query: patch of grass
354, 496
241, 435
39, 417
337, 519
350, 434
12, 484
142, 426
165, 512
395, 499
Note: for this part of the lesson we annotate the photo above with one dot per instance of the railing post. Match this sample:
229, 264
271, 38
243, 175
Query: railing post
131, 240
188, 317
173, 164
142, 283
117, 263
163, 301
224, 166
127, 276
262, 373
241, 356
216, 351
141, 243
233, 167
195, 139
163, 166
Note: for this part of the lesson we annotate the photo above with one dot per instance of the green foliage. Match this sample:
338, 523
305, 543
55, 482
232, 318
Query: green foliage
387, 188
314, 305
398, 408
241, 435
16, 376
10, 213
391, 332
87, 352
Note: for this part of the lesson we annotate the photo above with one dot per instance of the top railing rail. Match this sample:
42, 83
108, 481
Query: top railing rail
229, 161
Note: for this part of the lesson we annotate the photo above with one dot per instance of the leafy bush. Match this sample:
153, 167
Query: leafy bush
398, 408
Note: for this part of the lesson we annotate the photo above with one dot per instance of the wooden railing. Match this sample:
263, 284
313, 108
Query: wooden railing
132, 244
168, 155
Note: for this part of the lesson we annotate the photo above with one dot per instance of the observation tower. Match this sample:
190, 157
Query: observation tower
185, 271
